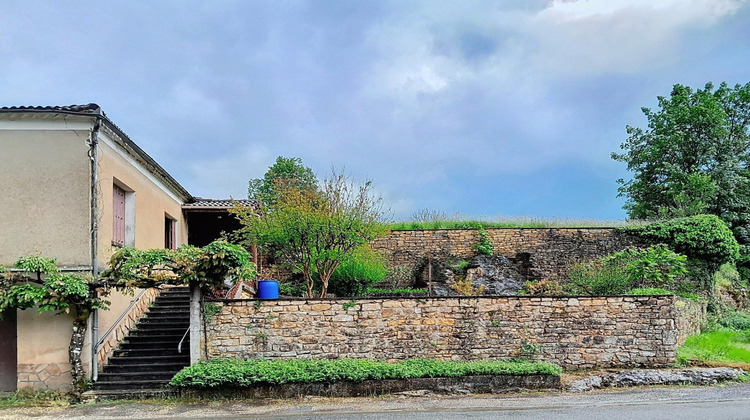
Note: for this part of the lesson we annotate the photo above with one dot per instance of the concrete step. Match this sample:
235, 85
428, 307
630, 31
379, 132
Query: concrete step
183, 357
160, 375
153, 344
128, 394
176, 367
131, 384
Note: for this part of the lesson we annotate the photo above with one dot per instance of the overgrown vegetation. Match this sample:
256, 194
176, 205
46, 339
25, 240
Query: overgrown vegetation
394, 292
357, 272
632, 268
724, 341
484, 244
520, 222
313, 227
693, 158
40, 284
223, 373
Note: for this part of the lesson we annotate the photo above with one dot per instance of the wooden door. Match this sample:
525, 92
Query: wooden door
8, 360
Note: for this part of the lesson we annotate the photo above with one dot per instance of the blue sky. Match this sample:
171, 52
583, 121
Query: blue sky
487, 108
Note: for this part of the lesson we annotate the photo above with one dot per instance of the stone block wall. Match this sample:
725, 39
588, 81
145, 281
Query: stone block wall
44, 376
575, 332
690, 316
537, 253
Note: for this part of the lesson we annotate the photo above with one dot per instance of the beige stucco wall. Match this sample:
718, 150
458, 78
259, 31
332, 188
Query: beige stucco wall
152, 202
44, 179
43, 341
46, 169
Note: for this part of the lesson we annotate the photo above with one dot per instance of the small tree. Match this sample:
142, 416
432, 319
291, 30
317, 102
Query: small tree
315, 228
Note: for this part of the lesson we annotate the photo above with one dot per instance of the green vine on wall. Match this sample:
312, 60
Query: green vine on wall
484, 245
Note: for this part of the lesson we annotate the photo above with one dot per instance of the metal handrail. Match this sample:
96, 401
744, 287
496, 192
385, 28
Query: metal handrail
116, 323
179, 345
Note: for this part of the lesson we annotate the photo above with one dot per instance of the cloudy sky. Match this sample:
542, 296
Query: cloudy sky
488, 108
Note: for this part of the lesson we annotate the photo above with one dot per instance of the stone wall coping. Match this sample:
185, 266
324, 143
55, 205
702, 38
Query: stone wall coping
361, 298
514, 228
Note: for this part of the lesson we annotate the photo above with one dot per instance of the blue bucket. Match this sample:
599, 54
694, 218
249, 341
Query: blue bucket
268, 289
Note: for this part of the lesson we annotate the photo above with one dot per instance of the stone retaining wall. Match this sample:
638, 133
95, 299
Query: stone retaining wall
575, 332
537, 253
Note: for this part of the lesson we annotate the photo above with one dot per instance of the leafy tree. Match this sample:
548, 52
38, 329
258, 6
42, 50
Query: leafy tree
286, 172
41, 285
692, 158
315, 228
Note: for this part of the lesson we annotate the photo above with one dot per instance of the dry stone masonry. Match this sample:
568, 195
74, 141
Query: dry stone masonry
537, 253
575, 332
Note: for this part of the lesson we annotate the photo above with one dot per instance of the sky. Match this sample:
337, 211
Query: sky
507, 108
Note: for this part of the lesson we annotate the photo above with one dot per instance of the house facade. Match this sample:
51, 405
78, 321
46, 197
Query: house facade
75, 187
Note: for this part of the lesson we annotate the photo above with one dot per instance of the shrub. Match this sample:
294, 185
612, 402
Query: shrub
597, 278
629, 269
484, 245
358, 272
738, 321
465, 288
542, 288
219, 373
704, 237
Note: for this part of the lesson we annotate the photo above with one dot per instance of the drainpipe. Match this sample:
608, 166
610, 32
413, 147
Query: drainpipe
93, 156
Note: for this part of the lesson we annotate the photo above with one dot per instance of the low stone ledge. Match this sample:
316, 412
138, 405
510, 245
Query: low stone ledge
641, 377
479, 384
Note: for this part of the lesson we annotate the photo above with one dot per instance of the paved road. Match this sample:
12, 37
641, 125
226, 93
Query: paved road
720, 402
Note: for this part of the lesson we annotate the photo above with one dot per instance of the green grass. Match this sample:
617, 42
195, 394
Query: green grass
26, 398
505, 222
715, 348
225, 373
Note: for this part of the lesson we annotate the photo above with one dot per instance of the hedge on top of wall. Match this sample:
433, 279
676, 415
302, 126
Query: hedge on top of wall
704, 237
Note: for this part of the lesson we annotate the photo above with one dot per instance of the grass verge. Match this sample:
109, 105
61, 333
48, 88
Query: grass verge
219, 373
723, 347
34, 399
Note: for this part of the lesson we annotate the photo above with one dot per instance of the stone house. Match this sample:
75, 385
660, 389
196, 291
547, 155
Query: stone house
75, 187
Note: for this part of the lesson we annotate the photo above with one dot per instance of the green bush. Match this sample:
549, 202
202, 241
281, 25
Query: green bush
632, 268
597, 278
738, 321
358, 272
704, 237
221, 373
727, 276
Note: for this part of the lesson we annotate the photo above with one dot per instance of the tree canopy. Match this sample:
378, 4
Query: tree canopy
692, 158
284, 173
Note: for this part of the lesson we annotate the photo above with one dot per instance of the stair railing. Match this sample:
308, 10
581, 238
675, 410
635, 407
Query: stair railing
179, 345
95, 350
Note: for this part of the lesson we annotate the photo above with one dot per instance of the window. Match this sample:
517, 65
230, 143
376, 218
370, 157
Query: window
170, 233
118, 219
123, 215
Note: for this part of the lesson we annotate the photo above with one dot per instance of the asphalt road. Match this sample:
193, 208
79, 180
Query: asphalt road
730, 401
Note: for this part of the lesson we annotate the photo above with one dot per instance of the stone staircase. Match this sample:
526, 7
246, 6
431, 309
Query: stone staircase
147, 358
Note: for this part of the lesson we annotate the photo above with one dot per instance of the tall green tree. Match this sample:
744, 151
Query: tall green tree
284, 173
692, 158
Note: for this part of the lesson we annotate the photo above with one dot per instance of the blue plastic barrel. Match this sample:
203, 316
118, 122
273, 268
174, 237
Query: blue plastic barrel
268, 289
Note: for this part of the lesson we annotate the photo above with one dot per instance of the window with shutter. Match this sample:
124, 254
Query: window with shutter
118, 220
